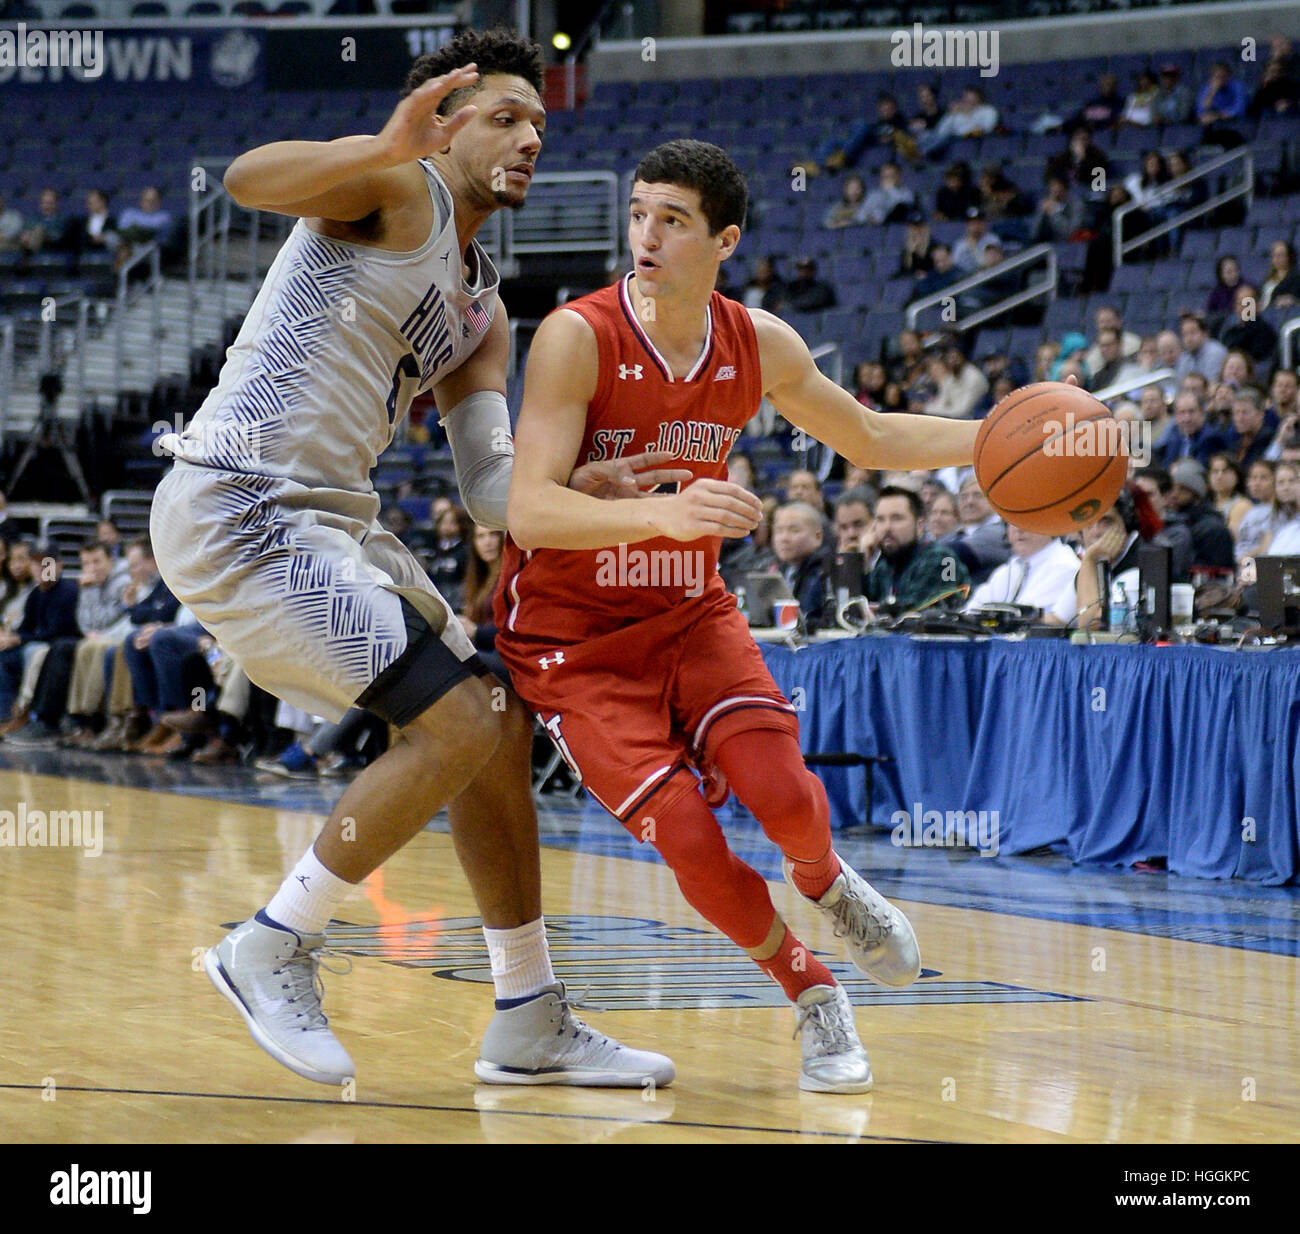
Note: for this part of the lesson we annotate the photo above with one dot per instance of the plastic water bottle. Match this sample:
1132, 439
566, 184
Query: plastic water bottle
1117, 618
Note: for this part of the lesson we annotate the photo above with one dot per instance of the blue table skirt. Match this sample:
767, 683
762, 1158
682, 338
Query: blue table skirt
1118, 752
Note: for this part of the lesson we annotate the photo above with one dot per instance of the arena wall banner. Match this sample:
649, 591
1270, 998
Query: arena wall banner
324, 55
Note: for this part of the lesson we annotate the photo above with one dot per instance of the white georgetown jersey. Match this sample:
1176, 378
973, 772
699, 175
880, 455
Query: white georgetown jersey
338, 341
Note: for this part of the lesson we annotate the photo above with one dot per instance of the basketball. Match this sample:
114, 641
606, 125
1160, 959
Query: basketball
1051, 458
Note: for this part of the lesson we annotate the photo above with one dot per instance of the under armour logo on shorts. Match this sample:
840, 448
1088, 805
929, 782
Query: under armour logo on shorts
551, 661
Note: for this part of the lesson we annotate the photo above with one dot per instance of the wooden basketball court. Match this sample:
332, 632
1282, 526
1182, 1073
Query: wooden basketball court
1089, 1027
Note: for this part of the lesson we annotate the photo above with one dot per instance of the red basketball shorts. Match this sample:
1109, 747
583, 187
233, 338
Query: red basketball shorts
632, 711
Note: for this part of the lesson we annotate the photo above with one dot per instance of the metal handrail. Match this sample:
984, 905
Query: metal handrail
1120, 388
1246, 189
152, 288
1027, 257
1284, 337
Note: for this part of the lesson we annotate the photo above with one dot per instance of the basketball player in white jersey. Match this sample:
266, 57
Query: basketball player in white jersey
266, 528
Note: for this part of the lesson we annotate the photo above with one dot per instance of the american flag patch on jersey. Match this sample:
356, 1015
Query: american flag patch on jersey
477, 317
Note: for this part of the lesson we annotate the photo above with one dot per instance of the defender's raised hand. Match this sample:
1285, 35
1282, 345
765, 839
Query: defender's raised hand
415, 130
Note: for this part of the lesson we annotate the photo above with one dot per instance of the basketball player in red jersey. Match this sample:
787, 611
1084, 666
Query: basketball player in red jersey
614, 622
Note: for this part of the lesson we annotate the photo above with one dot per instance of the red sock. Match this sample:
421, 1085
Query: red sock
814, 878
794, 968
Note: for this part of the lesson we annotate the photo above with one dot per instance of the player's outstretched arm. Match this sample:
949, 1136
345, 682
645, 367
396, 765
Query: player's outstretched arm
351, 177
559, 383
811, 401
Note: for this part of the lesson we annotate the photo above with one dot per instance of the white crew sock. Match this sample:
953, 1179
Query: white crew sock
521, 961
308, 897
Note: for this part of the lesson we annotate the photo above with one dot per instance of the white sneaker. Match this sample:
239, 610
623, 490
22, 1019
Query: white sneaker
833, 1058
270, 976
880, 939
543, 1042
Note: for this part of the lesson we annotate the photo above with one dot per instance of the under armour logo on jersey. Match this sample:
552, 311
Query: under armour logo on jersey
726, 373
551, 661
624, 372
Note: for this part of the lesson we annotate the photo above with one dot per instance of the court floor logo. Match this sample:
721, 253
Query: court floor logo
638, 964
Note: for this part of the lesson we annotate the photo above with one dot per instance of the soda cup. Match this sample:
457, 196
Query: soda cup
785, 614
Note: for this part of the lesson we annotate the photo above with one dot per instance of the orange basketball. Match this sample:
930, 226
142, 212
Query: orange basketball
1051, 458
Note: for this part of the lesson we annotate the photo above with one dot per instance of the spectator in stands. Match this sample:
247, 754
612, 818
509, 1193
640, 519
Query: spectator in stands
1099, 259
481, 576
1227, 278
20, 581
1248, 436
50, 229
850, 210
803, 486
1154, 410
1144, 186
1201, 354
1238, 370
1228, 491
1174, 103
868, 382
802, 556
1046, 355
893, 397
971, 115
943, 274
1212, 543
447, 556
50, 613
147, 221
1115, 367
1189, 196
941, 520
960, 384
740, 470
397, 522
1000, 197
1278, 92
1140, 106
95, 228
853, 514
1283, 408
752, 553
981, 543
1268, 514
891, 201
98, 609
928, 112
968, 253
1246, 331
917, 258
1108, 318
998, 287
957, 195
765, 289
1039, 569
108, 534
887, 130
1104, 109
910, 363
11, 226
1081, 162
1189, 436
1155, 482
807, 293
1281, 286
1060, 212
1285, 541
1220, 104
906, 573
1115, 539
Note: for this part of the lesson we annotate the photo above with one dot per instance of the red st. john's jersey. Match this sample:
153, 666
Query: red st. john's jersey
561, 596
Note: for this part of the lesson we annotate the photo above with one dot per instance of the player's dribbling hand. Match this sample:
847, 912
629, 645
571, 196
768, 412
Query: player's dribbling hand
709, 508
415, 130
633, 476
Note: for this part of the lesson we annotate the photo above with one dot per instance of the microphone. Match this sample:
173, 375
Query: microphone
1103, 591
